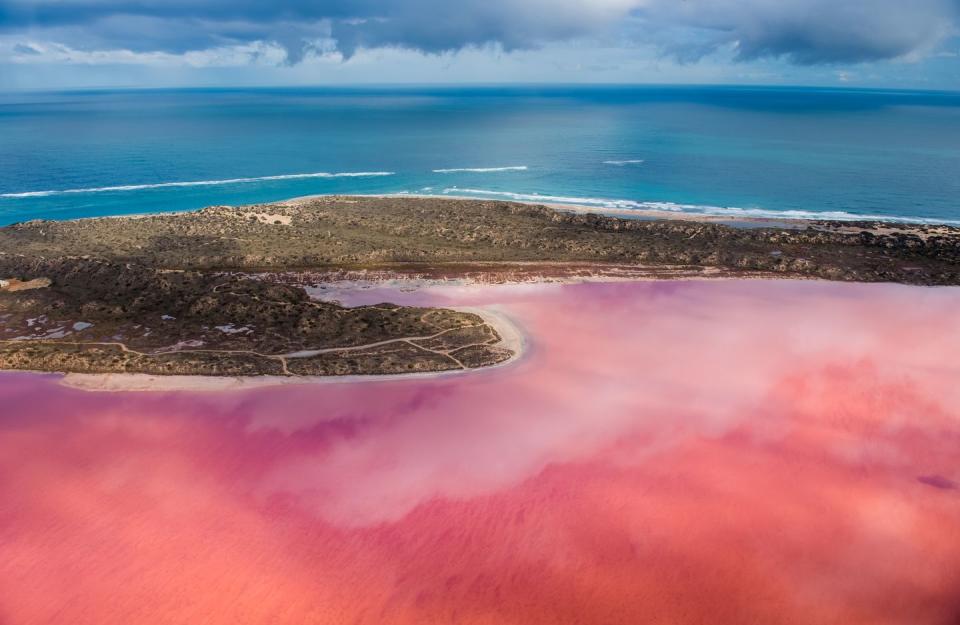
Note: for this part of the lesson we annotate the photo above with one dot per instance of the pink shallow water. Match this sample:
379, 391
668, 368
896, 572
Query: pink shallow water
722, 452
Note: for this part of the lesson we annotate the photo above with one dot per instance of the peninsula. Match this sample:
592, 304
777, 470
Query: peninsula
219, 291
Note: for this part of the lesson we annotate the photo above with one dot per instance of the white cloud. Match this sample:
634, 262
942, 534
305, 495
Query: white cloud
239, 55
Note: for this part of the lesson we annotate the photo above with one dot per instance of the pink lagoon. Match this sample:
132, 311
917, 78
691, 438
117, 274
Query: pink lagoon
662, 452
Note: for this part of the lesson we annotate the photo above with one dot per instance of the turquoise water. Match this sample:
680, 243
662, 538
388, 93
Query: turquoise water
718, 150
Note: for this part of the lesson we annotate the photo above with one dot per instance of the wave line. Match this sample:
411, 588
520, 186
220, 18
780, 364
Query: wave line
199, 183
696, 209
480, 169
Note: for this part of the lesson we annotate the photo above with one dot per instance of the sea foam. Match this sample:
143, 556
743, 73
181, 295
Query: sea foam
480, 169
200, 183
696, 209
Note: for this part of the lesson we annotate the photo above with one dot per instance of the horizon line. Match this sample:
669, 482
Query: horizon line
481, 85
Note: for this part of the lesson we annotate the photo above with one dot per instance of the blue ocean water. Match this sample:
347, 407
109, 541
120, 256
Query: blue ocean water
784, 151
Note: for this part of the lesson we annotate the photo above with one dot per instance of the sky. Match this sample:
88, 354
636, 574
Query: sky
63, 44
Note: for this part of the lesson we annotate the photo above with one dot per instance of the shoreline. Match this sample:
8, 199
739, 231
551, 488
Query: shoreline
757, 221
749, 221
582, 209
511, 337
396, 243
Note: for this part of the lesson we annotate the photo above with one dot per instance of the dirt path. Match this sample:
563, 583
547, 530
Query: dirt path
282, 358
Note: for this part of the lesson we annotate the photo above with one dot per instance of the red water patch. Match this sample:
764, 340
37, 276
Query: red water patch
666, 452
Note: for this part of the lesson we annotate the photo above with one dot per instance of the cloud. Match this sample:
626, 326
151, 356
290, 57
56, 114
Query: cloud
240, 55
804, 32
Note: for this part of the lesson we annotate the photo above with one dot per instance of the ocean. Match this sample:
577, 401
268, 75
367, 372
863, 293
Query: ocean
782, 152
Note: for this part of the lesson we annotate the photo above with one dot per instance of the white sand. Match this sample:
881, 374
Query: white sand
268, 218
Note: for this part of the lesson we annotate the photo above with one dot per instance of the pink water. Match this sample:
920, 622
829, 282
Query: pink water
696, 452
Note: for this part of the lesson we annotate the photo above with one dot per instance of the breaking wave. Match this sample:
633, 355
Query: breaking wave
632, 161
200, 183
696, 209
480, 169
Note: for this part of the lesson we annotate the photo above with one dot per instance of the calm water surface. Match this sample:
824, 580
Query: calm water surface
730, 452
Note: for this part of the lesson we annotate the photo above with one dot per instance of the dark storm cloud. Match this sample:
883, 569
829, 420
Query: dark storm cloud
802, 31
425, 25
